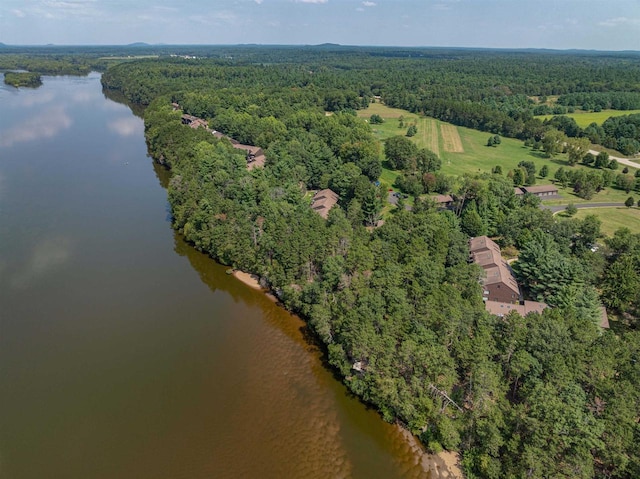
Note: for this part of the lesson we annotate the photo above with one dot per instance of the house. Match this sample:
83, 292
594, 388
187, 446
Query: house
323, 201
255, 155
498, 283
443, 201
541, 191
502, 309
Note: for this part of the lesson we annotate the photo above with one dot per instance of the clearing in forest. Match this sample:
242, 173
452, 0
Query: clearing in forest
430, 135
450, 138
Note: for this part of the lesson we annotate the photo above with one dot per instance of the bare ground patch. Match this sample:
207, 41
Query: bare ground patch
451, 138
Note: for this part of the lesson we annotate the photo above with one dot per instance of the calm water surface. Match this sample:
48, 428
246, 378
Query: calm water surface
126, 354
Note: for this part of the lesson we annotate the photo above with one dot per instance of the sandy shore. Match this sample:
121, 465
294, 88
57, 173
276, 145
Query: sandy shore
250, 280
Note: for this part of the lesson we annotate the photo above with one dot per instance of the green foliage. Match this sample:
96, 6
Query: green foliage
376, 119
23, 79
543, 396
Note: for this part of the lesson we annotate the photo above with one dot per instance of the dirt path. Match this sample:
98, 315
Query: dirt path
622, 161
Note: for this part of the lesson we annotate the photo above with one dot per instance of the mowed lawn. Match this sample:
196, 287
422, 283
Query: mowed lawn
614, 218
585, 118
476, 156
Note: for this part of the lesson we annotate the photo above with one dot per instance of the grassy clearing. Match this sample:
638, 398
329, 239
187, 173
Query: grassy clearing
585, 118
384, 111
476, 156
428, 130
451, 138
614, 218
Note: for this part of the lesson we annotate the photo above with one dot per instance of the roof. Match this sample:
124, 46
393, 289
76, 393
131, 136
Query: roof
518, 191
442, 198
483, 243
486, 253
501, 309
540, 189
323, 201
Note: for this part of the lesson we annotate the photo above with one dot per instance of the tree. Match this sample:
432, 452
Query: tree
613, 165
544, 171
519, 176
490, 141
497, 170
400, 151
576, 149
553, 142
602, 160
412, 130
588, 159
625, 182
376, 119
629, 202
571, 209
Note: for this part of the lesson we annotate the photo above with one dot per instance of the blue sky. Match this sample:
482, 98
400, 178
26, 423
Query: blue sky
559, 24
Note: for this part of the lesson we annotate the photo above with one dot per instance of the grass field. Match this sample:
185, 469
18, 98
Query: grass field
476, 156
614, 218
585, 118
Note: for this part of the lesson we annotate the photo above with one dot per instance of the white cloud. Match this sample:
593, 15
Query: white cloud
18, 13
259, 2
369, 4
619, 21
311, 1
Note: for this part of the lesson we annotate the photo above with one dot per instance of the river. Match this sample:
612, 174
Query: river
124, 353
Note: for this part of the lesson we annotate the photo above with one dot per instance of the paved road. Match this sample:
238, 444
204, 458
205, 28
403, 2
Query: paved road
622, 161
556, 208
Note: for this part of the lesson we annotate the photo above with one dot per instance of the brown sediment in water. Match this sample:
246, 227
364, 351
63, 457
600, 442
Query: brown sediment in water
443, 465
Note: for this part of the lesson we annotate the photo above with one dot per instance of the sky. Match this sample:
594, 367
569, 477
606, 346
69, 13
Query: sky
556, 24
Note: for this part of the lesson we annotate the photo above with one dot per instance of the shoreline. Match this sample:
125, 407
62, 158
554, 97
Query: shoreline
442, 465
251, 280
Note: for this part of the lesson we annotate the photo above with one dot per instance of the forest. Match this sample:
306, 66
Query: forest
398, 306
396, 303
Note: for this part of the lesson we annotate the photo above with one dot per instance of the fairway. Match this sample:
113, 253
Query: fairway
429, 135
585, 118
614, 218
450, 138
473, 156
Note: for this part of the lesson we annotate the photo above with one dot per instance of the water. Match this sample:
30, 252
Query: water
124, 353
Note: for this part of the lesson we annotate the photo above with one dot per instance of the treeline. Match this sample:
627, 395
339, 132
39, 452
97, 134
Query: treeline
596, 101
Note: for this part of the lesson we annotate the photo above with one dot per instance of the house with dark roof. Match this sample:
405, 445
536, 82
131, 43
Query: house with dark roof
323, 201
443, 201
541, 191
498, 283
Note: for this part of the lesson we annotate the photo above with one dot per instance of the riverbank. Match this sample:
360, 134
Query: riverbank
251, 280
443, 465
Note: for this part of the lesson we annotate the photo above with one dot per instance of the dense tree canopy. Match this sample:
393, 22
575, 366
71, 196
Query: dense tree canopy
399, 307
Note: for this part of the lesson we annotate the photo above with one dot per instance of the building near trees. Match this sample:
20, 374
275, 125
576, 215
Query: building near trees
501, 293
323, 201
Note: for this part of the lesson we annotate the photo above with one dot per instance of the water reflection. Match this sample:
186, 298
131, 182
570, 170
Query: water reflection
45, 257
126, 126
47, 123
